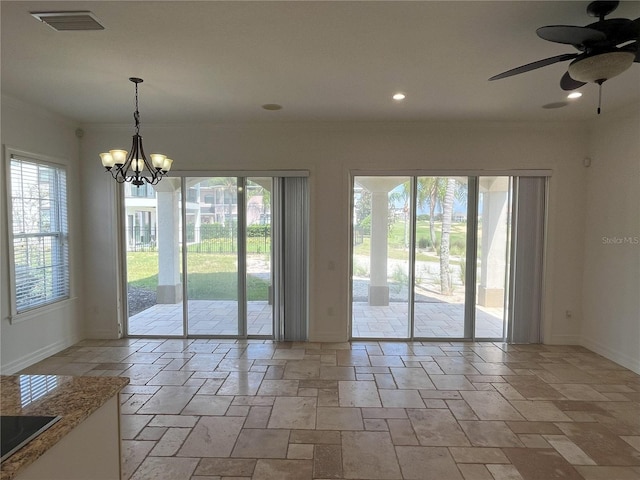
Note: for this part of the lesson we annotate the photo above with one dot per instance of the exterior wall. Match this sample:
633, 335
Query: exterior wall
611, 288
332, 152
50, 328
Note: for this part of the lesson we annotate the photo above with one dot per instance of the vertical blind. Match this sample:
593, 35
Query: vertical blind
291, 253
528, 249
39, 229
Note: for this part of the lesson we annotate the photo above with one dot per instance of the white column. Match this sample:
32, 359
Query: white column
168, 221
378, 286
494, 244
379, 188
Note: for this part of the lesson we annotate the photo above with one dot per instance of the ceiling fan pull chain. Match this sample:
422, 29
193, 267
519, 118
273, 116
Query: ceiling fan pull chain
599, 96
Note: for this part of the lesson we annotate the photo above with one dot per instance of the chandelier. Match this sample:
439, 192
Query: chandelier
134, 166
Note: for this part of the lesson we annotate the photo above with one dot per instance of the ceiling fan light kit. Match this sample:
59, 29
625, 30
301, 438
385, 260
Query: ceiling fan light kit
607, 48
600, 67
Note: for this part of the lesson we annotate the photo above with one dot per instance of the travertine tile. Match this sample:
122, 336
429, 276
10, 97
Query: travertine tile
569, 450
402, 432
261, 443
579, 392
541, 464
207, 405
212, 437
504, 472
241, 383
502, 412
302, 370
279, 387
412, 378
490, 434
358, 394
300, 451
170, 442
268, 469
599, 443
490, 406
327, 461
165, 468
415, 461
452, 382
339, 418
608, 473
168, 400
293, 413
133, 454
369, 455
401, 399
472, 471
437, 428
478, 455
226, 467
541, 411
319, 437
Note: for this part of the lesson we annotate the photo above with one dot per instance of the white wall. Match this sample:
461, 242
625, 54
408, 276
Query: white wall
50, 329
611, 293
330, 152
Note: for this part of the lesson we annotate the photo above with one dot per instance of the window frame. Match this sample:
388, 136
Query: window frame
62, 235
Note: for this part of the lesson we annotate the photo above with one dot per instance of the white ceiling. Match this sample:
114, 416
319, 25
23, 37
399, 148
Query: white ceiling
207, 61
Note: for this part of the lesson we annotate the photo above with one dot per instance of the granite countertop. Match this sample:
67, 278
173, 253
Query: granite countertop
72, 398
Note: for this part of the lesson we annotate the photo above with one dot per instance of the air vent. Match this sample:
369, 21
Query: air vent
69, 21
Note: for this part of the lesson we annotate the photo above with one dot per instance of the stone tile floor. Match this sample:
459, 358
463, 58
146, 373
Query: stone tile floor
232, 409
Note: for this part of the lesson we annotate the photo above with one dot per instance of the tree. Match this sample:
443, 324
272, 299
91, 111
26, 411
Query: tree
403, 195
430, 190
445, 239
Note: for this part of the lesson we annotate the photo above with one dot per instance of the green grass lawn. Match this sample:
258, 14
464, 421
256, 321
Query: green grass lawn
211, 276
397, 240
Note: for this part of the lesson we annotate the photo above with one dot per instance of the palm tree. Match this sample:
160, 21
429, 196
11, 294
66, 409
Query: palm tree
430, 191
445, 239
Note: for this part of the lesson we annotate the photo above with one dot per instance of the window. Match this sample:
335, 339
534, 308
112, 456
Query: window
38, 227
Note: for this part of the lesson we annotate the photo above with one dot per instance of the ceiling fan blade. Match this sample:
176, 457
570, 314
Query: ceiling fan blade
568, 83
570, 35
616, 30
532, 66
633, 47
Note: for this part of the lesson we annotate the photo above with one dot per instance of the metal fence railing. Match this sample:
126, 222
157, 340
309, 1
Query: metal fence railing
209, 238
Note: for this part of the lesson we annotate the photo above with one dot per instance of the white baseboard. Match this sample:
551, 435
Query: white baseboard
40, 354
623, 359
102, 334
326, 338
564, 340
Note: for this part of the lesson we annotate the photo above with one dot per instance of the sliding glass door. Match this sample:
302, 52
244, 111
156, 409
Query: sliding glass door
259, 272
381, 259
198, 257
212, 255
440, 257
493, 256
432, 255
152, 233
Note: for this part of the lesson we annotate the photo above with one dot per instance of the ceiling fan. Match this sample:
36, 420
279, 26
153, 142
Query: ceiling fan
606, 48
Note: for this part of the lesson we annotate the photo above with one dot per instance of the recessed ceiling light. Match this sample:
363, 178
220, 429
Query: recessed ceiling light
272, 106
399, 96
574, 95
